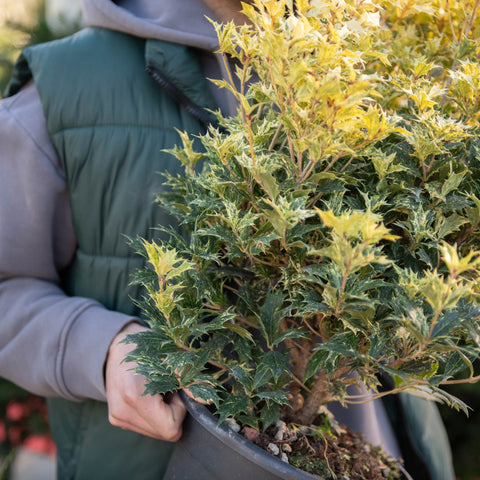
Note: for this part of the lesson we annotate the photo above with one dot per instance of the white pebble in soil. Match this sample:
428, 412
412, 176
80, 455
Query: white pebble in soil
274, 449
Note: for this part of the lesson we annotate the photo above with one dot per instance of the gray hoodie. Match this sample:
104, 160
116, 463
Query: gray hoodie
51, 344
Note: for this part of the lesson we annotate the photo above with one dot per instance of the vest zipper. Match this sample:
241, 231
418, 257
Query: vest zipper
177, 95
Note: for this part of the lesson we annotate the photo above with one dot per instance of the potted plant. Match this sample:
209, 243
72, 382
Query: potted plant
333, 223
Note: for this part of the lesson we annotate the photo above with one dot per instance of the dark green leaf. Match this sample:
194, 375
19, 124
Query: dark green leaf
276, 397
232, 406
445, 324
293, 333
161, 385
204, 392
276, 363
343, 343
316, 363
249, 420
269, 414
271, 315
178, 360
263, 375
243, 377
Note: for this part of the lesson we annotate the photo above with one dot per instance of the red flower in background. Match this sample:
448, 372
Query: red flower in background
25, 424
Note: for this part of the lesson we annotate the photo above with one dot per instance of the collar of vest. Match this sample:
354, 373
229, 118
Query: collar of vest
179, 65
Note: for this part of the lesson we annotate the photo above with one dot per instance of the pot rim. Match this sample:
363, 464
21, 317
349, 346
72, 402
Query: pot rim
244, 447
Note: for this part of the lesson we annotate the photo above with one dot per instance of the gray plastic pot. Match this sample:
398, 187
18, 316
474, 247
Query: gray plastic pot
208, 451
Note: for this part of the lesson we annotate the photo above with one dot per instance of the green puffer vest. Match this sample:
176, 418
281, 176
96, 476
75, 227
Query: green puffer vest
109, 122
109, 128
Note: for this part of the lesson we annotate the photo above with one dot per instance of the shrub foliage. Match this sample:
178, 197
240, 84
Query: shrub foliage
333, 223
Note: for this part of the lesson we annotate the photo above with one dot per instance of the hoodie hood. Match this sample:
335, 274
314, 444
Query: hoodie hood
177, 21
185, 22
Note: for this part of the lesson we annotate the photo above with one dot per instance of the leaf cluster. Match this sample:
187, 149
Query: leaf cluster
333, 223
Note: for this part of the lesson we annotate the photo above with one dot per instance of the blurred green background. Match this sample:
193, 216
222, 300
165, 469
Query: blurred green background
25, 22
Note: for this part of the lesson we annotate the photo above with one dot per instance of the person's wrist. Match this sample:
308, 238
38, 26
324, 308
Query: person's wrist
128, 329
117, 350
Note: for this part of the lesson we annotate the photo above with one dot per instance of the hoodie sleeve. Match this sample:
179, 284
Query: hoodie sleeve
50, 344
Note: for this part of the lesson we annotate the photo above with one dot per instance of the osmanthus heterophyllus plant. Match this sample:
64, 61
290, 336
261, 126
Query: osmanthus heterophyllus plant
333, 223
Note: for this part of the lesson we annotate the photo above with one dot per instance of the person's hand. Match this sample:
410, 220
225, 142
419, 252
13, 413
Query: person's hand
127, 408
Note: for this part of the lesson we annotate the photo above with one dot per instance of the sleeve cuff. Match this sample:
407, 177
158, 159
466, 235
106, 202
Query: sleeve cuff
86, 347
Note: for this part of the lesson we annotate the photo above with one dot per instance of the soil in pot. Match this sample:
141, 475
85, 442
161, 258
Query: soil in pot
342, 454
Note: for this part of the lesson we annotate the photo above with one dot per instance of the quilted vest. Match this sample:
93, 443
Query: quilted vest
109, 122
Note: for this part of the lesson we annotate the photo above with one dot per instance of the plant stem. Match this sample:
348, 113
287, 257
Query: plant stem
368, 397
450, 21
317, 334
460, 381
275, 137
472, 18
342, 288
317, 397
334, 160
